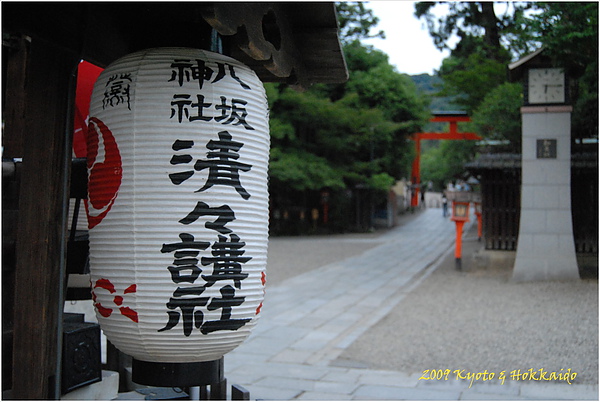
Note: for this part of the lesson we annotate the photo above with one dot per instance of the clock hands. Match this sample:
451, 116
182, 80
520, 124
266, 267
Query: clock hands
553, 86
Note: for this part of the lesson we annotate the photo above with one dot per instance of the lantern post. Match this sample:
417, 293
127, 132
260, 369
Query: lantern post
460, 215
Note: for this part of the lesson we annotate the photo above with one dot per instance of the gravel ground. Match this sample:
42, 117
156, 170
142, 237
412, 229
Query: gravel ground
477, 319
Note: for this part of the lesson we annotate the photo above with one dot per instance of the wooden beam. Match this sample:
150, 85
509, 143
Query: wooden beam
450, 119
42, 223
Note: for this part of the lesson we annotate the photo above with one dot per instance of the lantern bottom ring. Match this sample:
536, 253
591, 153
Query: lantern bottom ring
178, 374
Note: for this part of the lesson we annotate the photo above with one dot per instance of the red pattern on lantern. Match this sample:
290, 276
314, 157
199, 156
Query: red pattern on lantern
118, 300
263, 279
129, 313
105, 171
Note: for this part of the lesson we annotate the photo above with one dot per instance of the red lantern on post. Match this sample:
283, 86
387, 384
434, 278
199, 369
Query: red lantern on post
460, 215
178, 148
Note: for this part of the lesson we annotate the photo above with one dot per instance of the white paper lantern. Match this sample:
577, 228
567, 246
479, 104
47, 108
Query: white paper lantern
178, 146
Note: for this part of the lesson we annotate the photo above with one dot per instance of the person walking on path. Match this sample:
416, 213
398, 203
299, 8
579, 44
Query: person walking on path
444, 205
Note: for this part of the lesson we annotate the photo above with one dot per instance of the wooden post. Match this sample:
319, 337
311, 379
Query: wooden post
42, 224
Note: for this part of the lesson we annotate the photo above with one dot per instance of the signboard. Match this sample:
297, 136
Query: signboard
546, 148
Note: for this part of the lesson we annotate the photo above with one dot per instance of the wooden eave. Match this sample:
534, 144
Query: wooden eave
293, 42
583, 160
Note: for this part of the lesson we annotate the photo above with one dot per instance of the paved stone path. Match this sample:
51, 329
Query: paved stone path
308, 320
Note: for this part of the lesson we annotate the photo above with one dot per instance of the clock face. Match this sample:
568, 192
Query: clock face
546, 85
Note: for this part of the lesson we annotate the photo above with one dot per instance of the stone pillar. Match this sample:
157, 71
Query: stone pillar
546, 249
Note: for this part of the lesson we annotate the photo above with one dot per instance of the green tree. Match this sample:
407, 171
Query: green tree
356, 21
567, 30
360, 135
569, 34
475, 76
470, 78
444, 163
476, 19
343, 139
498, 117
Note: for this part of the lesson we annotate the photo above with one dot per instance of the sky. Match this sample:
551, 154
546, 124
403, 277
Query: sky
407, 43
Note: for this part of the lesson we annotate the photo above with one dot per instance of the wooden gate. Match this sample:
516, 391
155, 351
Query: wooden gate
500, 178
584, 201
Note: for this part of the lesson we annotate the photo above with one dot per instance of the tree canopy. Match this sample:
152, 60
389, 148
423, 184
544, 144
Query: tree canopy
356, 21
354, 137
345, 137
489, 36
488, 39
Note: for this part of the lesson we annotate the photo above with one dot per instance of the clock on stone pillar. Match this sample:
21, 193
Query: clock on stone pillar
545, 248
546, 86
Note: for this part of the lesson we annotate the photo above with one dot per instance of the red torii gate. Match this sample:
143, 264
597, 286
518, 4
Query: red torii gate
438, 117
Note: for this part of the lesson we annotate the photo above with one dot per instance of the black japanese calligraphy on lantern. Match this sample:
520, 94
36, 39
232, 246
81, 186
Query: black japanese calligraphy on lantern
221, 74
224, 213
232, 112
182, 105
227, 257
117, 91
227, 261
225, 303
186, 252
179, 106
223, 167
188, 310
180, 177
189, 304
186, 70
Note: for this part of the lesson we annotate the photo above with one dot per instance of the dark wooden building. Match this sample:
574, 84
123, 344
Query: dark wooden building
42, 44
